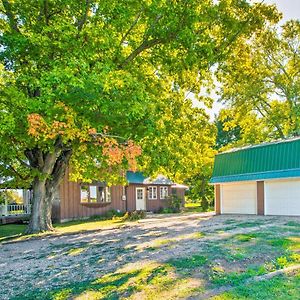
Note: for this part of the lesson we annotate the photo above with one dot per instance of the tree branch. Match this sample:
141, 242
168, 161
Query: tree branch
144, 46
82, 21
131, 27
60, 167
32, 160
22, 162
45, 9
17, 173
10, 16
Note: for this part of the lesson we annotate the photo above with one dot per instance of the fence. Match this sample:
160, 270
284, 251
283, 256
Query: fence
15, 209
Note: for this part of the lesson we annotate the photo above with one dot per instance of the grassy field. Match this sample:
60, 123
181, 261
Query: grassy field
16, 231
11, 230
160, 260
281, 287
195, 207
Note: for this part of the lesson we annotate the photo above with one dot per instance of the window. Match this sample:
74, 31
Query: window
163, 192
140, 193
152, 192
95, 194
84, 194
108, 194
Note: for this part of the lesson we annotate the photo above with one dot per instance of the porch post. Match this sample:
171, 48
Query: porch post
260, 198
217, 199
5, 207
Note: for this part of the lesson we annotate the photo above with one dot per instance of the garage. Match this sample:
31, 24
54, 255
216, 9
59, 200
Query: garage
238, 198
262, 179
282, 197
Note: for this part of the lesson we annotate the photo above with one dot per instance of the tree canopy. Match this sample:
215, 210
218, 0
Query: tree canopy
262, 90
101, 85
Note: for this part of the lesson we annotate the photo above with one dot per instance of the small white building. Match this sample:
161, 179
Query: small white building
262, 179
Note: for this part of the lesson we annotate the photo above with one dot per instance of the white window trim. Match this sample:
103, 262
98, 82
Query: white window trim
152, 188
105, 199
163, 195
108, 194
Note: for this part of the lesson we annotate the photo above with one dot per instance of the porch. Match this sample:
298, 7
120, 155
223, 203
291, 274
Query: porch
11, 213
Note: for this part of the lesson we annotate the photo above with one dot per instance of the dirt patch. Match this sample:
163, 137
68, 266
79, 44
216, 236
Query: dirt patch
193, 246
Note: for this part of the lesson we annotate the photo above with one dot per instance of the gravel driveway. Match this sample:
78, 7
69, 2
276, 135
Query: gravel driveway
54, 262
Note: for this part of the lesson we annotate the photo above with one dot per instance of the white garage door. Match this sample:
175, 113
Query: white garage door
238, 198
282, 198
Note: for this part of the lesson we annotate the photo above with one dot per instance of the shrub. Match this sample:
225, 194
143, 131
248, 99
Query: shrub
281, 262
112, 214
109, 215
134, 215
175, 203
164, 210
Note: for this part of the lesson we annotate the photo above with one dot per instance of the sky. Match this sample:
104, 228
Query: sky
290, 10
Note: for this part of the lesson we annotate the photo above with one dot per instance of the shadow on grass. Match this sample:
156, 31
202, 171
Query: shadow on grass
165, 276
14, 233
9, 231
152, 281
279, 288
109, 286
188, 263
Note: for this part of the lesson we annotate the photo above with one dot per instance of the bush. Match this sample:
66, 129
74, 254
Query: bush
109, 215
174, 204
112, 214
134, 215
163, 210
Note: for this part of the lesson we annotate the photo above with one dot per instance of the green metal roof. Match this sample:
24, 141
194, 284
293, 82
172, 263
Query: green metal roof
135, 177
279, 159
138, 177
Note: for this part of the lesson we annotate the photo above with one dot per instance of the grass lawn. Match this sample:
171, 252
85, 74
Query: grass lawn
282, 287
159, 260
194, 207
11, 230
16, 231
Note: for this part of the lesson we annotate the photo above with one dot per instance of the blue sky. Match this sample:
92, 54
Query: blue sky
290, 10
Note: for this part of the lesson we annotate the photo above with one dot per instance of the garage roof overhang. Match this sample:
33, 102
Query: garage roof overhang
257, 176
279, 159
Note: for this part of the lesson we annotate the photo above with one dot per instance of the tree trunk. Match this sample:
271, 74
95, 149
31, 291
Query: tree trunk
41, 208
204, 202
52, 167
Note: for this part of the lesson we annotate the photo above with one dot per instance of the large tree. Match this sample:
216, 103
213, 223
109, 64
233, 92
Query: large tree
90, 83
261, 85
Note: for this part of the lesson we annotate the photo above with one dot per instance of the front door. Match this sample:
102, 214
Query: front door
140, 198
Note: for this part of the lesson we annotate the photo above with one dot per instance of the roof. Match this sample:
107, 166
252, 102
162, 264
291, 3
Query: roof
179, 186
135, 177
279, 159
139, 178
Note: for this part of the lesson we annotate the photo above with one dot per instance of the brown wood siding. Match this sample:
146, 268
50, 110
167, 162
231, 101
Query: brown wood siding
157, 204
130, 196
71, 208
151, 205
260, 198
218, 199
68, 205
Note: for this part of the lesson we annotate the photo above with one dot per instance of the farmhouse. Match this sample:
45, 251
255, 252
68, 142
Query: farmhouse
263, 179
77, 200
